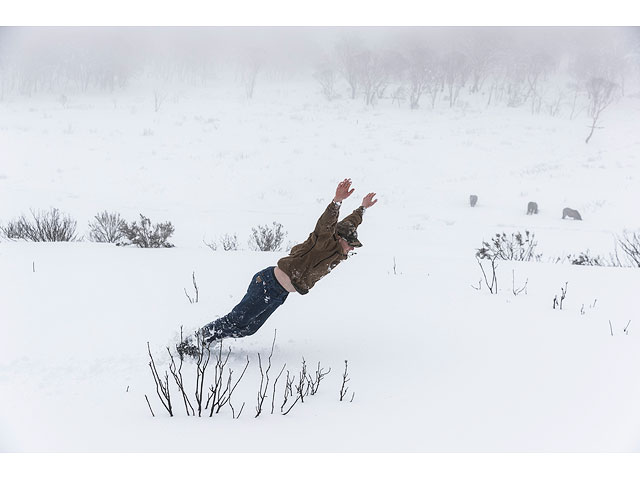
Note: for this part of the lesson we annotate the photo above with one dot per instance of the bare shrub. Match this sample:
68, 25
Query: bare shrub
229, 242
326, 76
586, 258
267, 238
515, 247
107, 228
45, 226
629, 242
146, 236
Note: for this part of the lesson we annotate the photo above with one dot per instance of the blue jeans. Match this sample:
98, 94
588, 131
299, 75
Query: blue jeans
263, 297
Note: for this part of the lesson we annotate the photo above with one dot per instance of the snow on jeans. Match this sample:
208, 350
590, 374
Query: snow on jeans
263, 297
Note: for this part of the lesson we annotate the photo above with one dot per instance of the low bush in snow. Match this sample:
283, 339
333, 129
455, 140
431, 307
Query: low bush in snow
586, 258
514, 247
107, 228
229, 242
267, 238
145, 235
43, 226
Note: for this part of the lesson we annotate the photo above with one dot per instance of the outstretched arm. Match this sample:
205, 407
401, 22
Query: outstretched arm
327, 222
368, 200
343, 191
356, 216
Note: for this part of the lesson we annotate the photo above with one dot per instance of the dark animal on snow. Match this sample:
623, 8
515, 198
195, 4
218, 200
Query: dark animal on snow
571, 213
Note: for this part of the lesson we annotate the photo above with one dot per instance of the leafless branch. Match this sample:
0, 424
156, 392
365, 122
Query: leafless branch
493, 286
202, 361
314, 382
345, 379
216, 392
288, 390
273, 394
302, 387
162, 387
264, 378
177, 376
195, 286
152, 414
516, 292
233, 412
225, 396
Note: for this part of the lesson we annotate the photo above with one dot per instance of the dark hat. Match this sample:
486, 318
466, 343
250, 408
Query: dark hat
347, 230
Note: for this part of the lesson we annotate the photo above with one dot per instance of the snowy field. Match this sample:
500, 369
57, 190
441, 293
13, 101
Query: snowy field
434, 364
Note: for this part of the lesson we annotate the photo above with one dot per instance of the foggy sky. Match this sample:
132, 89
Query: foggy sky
297, 45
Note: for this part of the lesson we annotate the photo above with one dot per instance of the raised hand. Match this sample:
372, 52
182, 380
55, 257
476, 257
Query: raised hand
343, 191
368, 200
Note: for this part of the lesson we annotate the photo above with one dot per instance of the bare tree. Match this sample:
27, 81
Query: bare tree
158, 100
348, 51
601, 94
538, 66
481, 50
456, 71
371, 73
326, 76
423, 72
250, 68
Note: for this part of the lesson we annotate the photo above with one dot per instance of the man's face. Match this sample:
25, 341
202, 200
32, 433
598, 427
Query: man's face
346, 248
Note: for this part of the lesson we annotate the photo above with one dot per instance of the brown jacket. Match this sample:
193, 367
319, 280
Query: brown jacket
311, 260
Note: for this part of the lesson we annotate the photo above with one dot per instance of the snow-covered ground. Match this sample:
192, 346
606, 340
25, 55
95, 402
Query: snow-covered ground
434, 364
